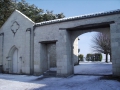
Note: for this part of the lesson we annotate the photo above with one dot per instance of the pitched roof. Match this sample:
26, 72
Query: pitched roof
79, 17
17, 11
23, 15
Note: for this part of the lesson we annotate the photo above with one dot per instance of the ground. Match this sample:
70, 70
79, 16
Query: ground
93, 68
88, 76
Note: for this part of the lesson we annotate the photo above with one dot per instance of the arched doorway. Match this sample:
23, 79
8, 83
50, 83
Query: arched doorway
92, 65
75, 33
70, 35
14, 62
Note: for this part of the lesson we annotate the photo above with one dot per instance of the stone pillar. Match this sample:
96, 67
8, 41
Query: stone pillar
1, 50
64, 61
75, 51
32, 51
115, 47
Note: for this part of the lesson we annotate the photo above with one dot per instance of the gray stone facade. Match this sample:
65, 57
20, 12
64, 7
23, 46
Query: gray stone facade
53, 43
15, 37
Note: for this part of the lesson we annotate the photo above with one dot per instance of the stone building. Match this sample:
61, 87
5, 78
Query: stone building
33, 48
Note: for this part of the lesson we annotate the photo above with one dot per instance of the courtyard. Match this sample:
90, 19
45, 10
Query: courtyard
88, 76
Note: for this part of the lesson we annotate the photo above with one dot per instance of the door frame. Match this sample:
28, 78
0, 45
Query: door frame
10, 59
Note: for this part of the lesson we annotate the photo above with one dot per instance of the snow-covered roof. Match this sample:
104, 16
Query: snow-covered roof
79, 17
24, 15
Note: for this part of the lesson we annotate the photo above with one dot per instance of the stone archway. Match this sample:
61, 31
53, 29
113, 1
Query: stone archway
62, 31
14, 63
71, 34
75, 34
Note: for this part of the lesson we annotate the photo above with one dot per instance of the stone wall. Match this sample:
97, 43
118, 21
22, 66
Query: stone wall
66, 38
15, 34
115, 47
51, 52
33, 45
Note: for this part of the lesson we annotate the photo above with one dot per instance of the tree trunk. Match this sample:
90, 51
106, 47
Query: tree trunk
106, 58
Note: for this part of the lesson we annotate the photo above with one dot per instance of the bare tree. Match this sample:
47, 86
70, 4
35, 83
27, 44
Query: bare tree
101, 43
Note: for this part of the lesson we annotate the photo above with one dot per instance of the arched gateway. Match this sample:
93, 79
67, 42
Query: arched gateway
52, 43
14, 62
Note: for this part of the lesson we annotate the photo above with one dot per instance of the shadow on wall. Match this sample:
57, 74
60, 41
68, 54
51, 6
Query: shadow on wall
47, 56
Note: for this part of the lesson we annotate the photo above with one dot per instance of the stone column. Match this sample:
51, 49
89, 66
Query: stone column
2, 34
31, 50
63, 48
115, 47
75, 51
2, 48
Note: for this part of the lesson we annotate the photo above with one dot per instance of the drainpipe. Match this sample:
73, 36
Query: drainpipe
31, 49
2, 34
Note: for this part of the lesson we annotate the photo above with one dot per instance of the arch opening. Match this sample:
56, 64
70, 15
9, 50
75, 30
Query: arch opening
74, 34
14, 62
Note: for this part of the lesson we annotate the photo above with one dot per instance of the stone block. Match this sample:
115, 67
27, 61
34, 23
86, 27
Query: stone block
64, 38
61, 63
118, 61
58, 71
118, 69
113, 61
113, 28
117, 72
65, 58
116, 57
60, 67
116, 66
36, 67
115, 37
118, 30
114, 44
36, 62
64, 71
114, 70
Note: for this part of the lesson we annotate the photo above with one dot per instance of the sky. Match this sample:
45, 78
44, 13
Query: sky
72, 8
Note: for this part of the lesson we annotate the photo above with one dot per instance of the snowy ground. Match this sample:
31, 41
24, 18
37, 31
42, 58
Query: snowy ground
93, 68
77, 82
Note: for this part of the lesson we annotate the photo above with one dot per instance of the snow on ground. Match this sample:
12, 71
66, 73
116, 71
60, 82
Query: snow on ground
96, 68
76, 82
